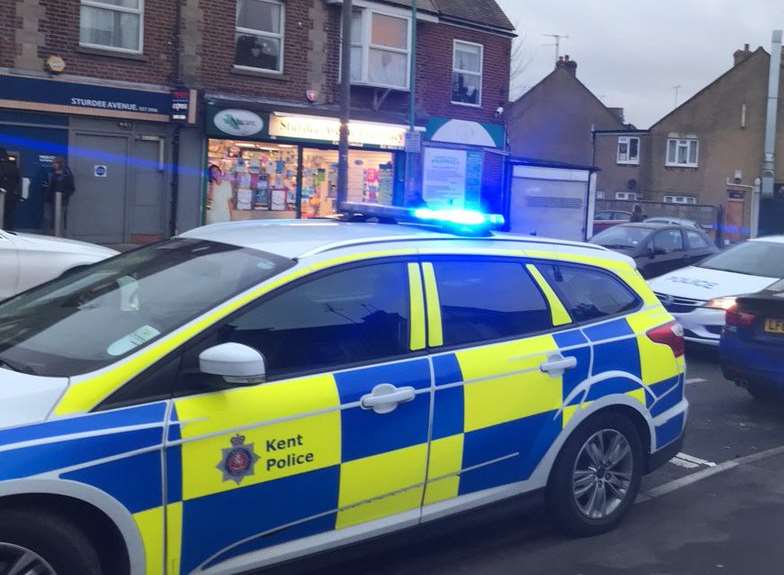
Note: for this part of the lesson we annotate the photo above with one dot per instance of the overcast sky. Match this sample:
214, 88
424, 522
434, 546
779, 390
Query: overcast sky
632, 54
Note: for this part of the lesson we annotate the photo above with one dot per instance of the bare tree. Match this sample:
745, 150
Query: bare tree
521, 58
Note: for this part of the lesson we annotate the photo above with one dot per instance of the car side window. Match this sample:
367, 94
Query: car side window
486, 300
350, 316
603, 216
668, 241
588, 293
696, 240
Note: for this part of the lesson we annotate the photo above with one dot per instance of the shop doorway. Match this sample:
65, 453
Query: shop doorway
97, 211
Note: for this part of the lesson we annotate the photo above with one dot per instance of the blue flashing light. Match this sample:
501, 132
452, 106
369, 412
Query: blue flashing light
460, 218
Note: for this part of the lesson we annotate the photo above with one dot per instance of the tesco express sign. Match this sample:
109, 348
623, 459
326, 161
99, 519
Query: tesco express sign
238, 122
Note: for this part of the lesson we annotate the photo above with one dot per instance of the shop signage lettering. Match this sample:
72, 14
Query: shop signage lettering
108, 105
279, 455
240, 123
328, 130
452, 177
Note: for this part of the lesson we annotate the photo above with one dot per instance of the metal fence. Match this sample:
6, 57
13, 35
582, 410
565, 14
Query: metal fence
708, 217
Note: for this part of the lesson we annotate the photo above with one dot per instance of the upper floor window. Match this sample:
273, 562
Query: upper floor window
259, 35
680, 199
629, 150
112, 25
683, 153
380, 49
467, 62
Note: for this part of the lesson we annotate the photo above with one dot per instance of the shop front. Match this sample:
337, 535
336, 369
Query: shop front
266, 164
115, 140
463, 165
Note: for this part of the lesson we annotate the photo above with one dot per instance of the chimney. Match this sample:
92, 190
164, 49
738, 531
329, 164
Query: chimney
567, 64
741, 55
618, 113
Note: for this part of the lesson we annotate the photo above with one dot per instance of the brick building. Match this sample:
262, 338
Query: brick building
249, 87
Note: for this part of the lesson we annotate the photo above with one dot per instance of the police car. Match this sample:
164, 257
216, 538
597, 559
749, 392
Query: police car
251, 392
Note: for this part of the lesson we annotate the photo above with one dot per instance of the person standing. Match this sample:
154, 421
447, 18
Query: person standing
60, 180
637, 215
9, 181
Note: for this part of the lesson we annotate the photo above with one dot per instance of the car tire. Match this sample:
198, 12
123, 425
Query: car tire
572, 508
64, 548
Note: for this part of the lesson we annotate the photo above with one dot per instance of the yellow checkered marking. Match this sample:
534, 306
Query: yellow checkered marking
417, 301
657, 360
397, 476
174, 536
496, 391
434, 327
569, 411
559, 314
313, 426
446, 462
150, 525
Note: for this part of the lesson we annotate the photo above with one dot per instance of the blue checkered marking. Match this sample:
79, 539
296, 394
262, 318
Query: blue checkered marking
669, 393
622, 355
669, 431
449, 412
365, 433
574, 377
275, 504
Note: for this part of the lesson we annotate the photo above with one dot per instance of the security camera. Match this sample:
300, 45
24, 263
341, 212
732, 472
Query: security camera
499, 111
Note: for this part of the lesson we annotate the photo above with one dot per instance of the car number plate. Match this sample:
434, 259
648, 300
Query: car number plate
774, 326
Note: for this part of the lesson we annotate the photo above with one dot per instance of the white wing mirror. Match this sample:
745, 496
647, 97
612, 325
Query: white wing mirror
236, 363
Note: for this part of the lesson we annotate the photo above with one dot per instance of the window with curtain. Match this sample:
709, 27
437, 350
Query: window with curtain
467, 73
380, 49
112, 24
259, 35
683, 153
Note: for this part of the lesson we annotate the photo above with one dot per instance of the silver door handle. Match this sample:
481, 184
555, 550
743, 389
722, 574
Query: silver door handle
385, 398
557, 364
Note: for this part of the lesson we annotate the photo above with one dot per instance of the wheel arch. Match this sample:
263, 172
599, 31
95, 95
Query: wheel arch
76, 500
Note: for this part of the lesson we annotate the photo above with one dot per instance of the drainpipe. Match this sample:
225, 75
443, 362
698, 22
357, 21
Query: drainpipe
769, 160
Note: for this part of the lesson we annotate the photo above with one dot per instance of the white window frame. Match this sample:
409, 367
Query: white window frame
114, 8
627, 196
366, 17
679, 142
481, 72
254, 32
682, 200
629, 161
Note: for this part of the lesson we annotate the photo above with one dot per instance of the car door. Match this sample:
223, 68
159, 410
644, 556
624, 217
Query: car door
699, 246
496, 332
668, 252
9, 265
336, 438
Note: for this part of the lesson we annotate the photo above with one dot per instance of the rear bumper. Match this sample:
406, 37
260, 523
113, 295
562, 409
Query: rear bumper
752, 364
658, 458
702, 325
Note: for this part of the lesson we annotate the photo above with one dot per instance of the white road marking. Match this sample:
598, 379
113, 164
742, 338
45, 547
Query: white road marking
696, 460
681, 482
696, 380
682, 463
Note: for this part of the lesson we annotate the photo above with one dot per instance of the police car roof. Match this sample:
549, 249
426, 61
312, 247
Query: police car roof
303, 238
772, 239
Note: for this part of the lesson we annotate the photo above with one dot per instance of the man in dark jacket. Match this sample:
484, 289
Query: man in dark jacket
9, 181
60, 180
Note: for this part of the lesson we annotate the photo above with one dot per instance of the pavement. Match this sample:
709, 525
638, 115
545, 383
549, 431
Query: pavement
716, 508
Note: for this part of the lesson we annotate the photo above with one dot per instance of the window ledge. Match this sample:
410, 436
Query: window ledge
466, 104
108, 52
242, 71
691, 166
627, 163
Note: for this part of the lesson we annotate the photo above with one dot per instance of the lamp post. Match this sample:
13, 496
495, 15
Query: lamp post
345, 103
413, 142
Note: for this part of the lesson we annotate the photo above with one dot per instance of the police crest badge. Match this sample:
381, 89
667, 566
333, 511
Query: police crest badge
238, 461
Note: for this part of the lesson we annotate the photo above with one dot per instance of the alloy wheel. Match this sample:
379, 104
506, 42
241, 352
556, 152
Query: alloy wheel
16, 560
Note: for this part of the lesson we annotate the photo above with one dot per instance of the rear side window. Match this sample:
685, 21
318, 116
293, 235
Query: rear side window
696, 240
668, 241
589, 294
488, 300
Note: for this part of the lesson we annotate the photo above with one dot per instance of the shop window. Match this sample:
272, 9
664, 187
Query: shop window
683, 153
351, 316
628, 150
112, 25
467, 73
488, 300
380, 49
259, 35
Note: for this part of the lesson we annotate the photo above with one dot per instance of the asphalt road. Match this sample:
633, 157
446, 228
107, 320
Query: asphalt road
718, 508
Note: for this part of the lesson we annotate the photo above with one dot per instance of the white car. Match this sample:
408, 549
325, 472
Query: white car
27, 260
698, 296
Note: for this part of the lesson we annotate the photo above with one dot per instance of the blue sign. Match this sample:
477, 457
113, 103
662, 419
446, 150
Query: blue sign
36, 94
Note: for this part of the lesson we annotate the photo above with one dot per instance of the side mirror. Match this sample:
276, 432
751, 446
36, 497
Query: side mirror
236, 363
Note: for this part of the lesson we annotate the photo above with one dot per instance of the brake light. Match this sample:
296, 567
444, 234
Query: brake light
737, 318
670, 334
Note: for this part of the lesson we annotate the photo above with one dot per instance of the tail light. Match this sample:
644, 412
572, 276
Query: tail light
737, 318
670, 334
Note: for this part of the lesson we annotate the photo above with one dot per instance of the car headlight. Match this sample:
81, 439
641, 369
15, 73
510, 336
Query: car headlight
722, 303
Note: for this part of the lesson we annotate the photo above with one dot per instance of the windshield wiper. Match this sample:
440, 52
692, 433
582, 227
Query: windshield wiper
17, 367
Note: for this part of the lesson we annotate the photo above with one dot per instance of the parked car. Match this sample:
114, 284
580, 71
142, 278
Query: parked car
285, 388
752, 344
657, 248
674, 221
700, 295
609, 218
27, 260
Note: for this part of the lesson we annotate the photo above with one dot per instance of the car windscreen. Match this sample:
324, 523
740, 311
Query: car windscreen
757, 258
89, 319
621, 237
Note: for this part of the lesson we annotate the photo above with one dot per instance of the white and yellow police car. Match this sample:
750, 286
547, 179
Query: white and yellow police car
248, 393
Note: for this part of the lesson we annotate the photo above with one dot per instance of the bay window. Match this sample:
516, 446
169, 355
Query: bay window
467, 73
259, 35
380, 49
112, 25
